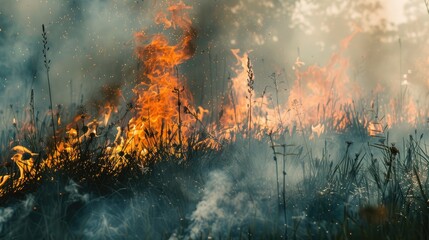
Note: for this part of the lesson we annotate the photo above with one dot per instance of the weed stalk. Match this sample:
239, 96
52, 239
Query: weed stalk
47, 63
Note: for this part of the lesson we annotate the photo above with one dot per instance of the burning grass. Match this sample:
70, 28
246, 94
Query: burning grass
264, 169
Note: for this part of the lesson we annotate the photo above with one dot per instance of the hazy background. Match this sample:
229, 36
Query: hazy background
92, 49
91, 44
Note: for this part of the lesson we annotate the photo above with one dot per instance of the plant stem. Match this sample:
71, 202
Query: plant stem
250, 82
284, 190
274, 78
47, 67
277, 170
179, 132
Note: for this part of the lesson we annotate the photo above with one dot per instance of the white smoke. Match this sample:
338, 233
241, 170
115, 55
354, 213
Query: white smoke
220, 208
28, 203
5, 215
91, 45
73, 190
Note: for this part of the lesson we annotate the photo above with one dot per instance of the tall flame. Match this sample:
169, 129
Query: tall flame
162, 96
234, 113
321, 95
319, 98
244, 111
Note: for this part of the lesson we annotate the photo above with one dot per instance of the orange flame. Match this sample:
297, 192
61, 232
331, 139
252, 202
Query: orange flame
320, 98
321, 95
235, 113
161, 95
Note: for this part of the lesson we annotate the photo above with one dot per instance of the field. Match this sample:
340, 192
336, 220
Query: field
180, 141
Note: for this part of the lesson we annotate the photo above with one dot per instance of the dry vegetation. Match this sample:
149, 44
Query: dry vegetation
138, 175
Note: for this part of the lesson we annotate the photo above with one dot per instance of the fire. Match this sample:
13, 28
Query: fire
318, 130
164, 120
162, 95
107, 113
245, 111
235, 112
24, 159
375, 128
322, 95
320, 98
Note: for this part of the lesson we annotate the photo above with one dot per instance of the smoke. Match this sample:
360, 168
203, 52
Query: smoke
93, 60
104, 221
15, 213
91, 44
279, 32
73, 190
221, 207
90, 48
5, 215
231, 195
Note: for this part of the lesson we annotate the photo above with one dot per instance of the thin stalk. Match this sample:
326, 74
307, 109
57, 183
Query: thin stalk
250, 82
277, 170
223, 91
284, 191
47, 67
179, 103
212, 103
233, 105
400, 78
274, 78
33, 117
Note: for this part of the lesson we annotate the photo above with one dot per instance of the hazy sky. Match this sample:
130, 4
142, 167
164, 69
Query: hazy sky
91, 42
395, 10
